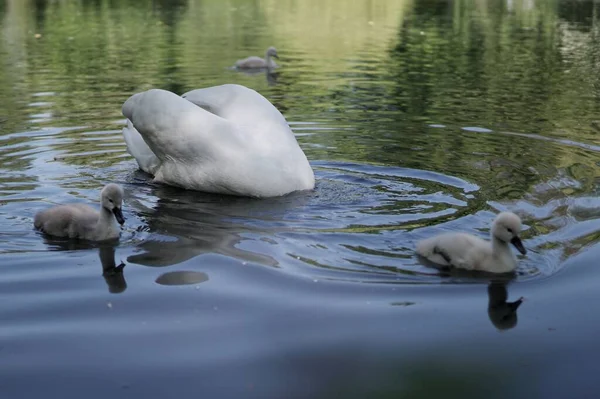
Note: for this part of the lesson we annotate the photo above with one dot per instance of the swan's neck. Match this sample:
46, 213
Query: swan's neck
107, 225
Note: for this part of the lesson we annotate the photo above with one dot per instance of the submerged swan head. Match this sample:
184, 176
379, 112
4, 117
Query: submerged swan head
506, 228
271, 52
111, 198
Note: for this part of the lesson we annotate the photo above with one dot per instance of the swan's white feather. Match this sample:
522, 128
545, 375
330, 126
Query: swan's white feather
225, 139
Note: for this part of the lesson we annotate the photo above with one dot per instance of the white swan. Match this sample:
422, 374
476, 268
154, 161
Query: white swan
82, 221
225, 139
469, 252
255, 62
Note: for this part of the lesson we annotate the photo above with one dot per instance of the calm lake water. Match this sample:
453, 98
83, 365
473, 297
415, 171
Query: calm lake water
418, 116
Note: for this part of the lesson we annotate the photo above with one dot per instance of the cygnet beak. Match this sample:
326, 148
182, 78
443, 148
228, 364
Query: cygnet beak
276, 56
118, 215
516, 241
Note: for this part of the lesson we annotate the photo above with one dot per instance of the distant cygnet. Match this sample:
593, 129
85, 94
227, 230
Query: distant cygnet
468, 252
83, 222
257, 62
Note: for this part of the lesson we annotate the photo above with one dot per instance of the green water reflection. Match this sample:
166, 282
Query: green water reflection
369, 77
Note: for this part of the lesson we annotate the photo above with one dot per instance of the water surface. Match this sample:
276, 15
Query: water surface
417, 116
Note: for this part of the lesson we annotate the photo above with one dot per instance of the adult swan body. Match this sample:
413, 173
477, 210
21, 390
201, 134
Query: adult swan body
224, 139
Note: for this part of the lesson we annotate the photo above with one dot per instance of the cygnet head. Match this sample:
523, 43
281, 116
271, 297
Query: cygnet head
112, 200
506, 228
272, 52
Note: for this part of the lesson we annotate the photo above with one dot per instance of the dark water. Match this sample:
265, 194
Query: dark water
418, 117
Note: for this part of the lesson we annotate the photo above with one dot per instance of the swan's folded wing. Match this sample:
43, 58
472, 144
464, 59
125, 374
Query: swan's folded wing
137, 147
238, 104
176, 129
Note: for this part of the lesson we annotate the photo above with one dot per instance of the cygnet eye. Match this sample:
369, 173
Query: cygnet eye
509, 229
111, 201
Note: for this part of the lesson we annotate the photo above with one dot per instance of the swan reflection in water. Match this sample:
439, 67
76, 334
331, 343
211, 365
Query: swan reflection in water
115, 278
184, 224
502, 314
182, 277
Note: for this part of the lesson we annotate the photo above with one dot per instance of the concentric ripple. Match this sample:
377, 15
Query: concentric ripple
360, 224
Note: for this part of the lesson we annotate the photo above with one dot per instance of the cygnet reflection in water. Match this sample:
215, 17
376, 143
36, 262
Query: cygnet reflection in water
269, 74
112, 273
502, 314
192, 223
